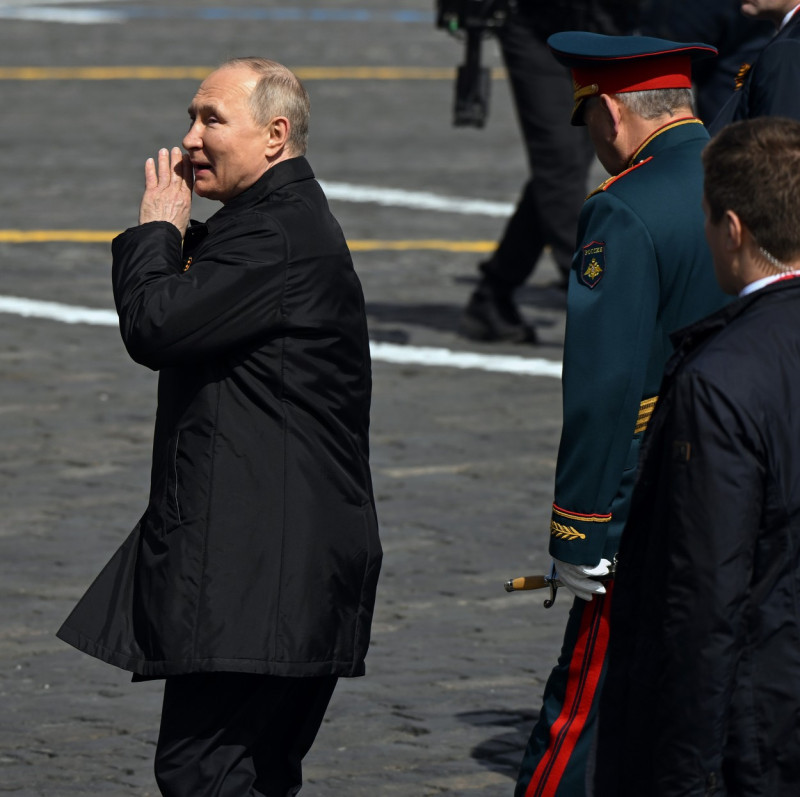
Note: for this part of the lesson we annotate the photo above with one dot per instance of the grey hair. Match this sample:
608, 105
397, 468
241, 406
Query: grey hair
653, 103
278, 92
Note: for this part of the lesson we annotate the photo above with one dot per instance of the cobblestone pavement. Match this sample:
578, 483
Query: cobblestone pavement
463, 459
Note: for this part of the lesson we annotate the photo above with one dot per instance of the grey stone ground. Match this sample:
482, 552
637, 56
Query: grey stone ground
463, 460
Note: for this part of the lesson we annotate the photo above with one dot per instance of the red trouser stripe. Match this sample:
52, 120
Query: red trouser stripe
583, 676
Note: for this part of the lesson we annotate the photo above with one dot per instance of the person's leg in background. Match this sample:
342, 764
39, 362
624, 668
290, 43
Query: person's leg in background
559, 158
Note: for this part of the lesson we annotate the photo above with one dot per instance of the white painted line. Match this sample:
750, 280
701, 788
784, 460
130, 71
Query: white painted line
27, 11
74, 16
428, 356
418, 200
54, 311
447, 358
28, 3
41, 10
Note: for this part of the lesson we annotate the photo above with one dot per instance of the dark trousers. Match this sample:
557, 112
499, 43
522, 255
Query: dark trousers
236, 734
559, 157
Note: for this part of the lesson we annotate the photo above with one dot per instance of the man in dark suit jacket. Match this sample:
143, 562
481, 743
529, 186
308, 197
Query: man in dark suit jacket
769, 86
249, 582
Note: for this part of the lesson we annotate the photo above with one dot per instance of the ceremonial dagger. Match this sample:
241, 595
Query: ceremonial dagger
551, 582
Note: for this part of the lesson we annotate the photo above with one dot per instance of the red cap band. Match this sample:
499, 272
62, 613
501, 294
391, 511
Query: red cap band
634, 74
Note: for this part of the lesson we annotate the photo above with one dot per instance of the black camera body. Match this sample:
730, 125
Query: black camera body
472, 20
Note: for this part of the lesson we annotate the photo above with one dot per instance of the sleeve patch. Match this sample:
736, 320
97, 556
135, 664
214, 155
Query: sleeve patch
593, 263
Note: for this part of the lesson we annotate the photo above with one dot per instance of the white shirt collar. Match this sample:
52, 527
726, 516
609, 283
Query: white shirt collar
788, 17
764, 281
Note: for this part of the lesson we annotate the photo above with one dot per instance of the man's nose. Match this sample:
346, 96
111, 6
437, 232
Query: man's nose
192, 139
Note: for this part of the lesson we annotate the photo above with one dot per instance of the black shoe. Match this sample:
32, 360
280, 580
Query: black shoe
491, 315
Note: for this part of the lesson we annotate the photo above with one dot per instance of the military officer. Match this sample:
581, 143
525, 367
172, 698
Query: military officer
641, 270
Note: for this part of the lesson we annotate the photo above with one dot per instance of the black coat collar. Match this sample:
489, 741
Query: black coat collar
280, 175
689, 338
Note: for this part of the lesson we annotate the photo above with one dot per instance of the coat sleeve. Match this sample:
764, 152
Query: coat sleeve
231, 293
612, 307
716, 479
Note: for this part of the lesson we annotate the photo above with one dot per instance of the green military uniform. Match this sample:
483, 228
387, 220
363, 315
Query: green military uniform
642, 269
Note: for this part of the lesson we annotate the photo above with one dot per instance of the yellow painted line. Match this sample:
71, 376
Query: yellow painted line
57, 236
200, 72
434, 244
105, 236
103, 73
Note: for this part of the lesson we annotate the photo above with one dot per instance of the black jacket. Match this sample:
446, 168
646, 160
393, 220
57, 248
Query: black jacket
702, 695
770, 86
258, 550
737, 38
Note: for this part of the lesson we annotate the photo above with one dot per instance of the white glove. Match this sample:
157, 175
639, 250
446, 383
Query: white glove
576, 578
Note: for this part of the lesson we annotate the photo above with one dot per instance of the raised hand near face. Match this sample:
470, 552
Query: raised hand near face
168, 189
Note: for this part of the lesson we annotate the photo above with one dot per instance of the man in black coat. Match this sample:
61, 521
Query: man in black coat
768, 87
249, 582
702, 692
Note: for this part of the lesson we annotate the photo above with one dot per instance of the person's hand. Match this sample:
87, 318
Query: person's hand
577, 578
168, 189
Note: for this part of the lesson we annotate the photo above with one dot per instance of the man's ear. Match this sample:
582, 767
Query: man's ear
277, 136
613, 111
734, 230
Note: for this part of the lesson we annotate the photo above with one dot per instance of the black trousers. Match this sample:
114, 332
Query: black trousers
236, 734
559, 158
